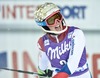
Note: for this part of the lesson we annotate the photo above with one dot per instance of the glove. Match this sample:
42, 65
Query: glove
46, 73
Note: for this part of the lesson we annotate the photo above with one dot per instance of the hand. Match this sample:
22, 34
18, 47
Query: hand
47, 73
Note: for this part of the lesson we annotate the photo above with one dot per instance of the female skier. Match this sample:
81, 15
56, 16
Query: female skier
62, 48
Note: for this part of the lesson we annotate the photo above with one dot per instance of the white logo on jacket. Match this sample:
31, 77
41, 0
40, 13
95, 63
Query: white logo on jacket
46, 42
58, 51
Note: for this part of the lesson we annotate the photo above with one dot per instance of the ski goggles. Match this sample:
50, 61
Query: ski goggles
51, 20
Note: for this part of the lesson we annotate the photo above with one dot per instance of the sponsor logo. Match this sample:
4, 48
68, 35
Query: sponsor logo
74, 12
58, 51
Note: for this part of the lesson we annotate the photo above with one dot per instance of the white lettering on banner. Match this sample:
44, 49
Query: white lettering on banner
58, 51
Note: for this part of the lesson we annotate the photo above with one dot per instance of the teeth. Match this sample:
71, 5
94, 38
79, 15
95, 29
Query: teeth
57, 25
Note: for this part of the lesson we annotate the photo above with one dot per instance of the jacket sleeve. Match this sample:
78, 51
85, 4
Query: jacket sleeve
78, 44
43, 60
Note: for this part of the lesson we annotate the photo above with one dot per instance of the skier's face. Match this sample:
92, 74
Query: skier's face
57, 27
54, 21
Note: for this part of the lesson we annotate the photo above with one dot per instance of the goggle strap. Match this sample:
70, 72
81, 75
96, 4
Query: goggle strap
43, 23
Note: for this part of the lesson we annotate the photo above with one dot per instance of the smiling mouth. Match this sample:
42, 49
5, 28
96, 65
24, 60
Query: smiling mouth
58, 28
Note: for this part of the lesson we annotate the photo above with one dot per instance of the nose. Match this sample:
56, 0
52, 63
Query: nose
57, 21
